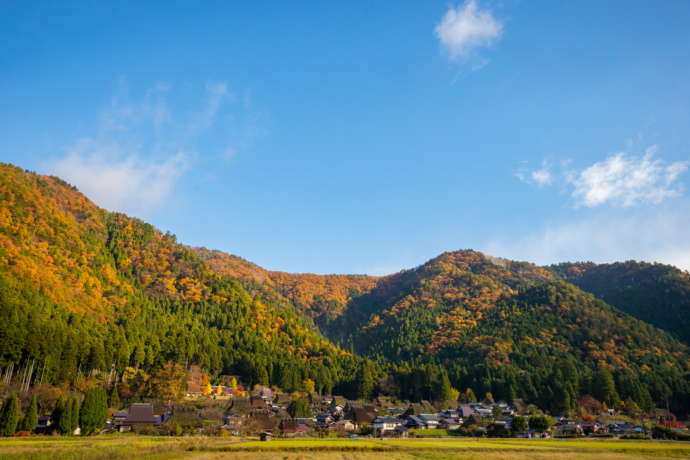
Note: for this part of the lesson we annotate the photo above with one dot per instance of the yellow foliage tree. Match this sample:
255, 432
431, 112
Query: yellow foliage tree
309, 385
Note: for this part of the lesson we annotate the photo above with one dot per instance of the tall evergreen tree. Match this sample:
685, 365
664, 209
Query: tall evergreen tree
94, 411
74, 420
604, 387
365, 381
30, 419
442, 388
65, 422
299, 408
9, 415
114, 400
57, 413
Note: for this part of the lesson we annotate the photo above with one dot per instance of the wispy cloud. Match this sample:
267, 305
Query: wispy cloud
140, 150
620, 180
627, 180
120, 180
540, 177
216, 94
466, 28
655, 236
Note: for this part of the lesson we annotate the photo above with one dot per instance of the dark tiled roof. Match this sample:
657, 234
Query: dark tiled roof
141, 413
362, 415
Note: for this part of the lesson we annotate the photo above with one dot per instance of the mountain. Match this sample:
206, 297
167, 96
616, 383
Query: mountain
656, 293
86, 293
513, 328
321, 297
83, 291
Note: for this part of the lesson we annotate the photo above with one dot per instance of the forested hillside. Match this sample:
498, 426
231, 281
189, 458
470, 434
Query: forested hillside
321, 297
85, 292
510, 329
656, 293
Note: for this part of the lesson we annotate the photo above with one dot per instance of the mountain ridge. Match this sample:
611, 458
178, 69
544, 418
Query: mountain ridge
84, 291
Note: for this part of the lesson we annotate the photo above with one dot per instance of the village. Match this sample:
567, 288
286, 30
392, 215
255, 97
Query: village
230, 409
268, 414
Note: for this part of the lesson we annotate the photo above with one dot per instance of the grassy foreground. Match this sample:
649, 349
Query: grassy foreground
145, 447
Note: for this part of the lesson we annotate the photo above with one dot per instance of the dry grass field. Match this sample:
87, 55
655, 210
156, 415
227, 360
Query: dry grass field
146, 447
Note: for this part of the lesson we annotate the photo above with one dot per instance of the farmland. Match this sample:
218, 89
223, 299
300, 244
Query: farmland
133, 446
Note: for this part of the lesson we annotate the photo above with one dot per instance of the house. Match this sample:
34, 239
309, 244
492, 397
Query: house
262, 422
337, 411
569, 429
398, 411
465, 410
590, 428
257, 402
305, 421
118, 417
386, 425
423, 421
664, 415
138, 415
342, 426
363, 415
233, 422
401, 431
292, 428
266, 394
484, 412
450, 423
324, 419
532, 434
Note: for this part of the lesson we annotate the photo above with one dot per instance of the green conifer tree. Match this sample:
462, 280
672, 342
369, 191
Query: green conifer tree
30, 419
74, 423
65, 422
9, 415
94, 411
57, 413
114, 400
365, 381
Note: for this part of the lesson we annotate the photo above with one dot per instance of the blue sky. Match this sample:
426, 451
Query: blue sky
365, 137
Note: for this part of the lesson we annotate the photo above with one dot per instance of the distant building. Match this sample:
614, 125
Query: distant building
138, 415
386, 425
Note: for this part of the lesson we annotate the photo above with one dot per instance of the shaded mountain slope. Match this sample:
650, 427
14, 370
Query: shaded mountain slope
656, 293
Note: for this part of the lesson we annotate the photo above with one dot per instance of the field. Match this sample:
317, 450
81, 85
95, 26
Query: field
145, 447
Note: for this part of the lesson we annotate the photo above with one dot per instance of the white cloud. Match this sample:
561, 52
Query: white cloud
654, 236
118, 180
622, 179
627, 180
541, 177
466, 28
133, 161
